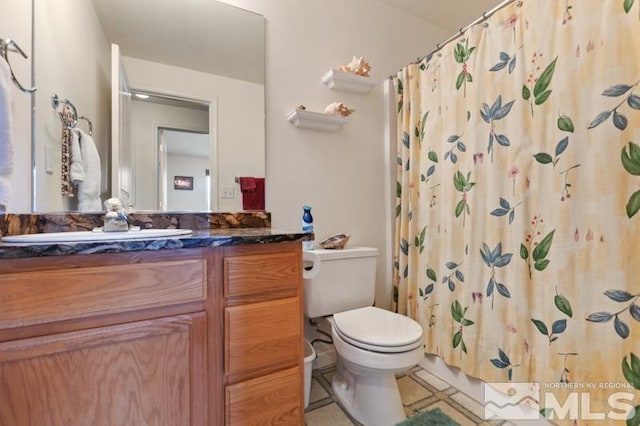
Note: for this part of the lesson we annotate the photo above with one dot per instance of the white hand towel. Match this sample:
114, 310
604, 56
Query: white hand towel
6, 135
89, 189
5, 193
76, 171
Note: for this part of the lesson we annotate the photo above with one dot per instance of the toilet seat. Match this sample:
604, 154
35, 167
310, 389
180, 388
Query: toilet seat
378, 330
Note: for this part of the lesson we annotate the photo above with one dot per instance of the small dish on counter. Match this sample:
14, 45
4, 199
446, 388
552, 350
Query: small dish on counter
336, 241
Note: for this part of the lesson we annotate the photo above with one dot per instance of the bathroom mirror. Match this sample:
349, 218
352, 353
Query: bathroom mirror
204, 58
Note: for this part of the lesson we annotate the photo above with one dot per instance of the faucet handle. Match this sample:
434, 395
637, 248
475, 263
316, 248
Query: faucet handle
113, 205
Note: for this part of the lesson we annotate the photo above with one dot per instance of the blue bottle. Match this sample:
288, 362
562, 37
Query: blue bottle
307, 227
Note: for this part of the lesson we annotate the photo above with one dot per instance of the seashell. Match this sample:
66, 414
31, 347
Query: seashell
337, 241
338, 108
357, 66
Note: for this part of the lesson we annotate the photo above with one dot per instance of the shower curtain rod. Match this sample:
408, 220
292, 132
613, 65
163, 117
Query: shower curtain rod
461, 31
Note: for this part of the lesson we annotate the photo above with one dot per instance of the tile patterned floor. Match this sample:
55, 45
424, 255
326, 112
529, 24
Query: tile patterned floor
420, 391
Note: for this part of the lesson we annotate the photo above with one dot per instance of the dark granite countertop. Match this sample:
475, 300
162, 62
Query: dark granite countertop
199, 238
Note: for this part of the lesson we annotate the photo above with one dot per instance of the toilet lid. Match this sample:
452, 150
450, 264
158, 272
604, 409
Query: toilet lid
378, 329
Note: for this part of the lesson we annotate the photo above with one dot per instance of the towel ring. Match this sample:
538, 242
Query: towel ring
56, 101
5, 47
82, 117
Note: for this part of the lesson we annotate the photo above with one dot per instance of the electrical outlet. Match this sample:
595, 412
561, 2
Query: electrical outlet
228, 192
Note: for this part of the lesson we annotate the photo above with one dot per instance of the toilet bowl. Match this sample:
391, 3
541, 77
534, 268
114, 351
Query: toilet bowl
372, 344
370, 354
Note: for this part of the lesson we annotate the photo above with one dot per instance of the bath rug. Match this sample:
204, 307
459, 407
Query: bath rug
433, 417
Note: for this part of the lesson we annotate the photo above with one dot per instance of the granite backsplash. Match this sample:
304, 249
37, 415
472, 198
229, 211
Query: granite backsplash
16, 224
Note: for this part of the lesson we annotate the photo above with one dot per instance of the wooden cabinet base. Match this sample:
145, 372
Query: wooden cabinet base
170, 338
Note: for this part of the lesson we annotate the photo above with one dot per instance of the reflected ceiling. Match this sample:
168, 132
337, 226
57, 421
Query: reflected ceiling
234, 47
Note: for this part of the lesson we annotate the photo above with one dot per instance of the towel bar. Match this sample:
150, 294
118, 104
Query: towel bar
7, 45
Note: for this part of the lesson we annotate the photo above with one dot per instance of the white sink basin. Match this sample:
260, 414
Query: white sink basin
93, 236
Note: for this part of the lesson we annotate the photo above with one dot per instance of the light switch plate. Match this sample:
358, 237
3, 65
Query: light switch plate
228, 192
49, 159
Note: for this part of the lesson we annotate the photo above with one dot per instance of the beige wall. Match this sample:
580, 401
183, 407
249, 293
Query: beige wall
73, 61
15, 23
342, 174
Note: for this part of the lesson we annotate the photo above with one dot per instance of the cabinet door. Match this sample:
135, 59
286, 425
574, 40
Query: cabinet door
144, 373
267, 400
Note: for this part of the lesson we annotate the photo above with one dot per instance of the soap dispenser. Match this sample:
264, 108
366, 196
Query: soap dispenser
307, 228
115, 220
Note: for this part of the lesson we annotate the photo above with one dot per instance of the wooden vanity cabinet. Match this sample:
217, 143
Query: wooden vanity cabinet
263, 344
176, 337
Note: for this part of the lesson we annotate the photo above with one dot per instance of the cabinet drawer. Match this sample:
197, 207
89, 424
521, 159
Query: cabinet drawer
28, 298
267, 400
251, 274
262, 335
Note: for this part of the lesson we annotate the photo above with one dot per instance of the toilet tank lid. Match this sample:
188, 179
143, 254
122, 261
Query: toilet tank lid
346, 253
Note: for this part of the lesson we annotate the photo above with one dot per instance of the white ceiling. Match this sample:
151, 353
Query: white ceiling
230, 40
451, 15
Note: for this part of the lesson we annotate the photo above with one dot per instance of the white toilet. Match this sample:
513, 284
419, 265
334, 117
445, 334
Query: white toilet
372, 344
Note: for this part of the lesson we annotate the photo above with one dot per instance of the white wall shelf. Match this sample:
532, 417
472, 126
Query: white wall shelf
316, 120
348, 82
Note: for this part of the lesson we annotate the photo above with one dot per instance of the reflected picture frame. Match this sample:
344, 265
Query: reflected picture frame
183, 183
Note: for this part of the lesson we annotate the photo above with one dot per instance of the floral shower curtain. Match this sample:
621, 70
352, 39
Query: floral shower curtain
518, 198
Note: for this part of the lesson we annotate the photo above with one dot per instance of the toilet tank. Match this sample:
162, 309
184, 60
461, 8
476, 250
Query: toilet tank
345, 280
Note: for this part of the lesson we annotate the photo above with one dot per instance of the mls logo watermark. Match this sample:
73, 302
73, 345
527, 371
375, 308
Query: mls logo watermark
522, 401
512, 401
